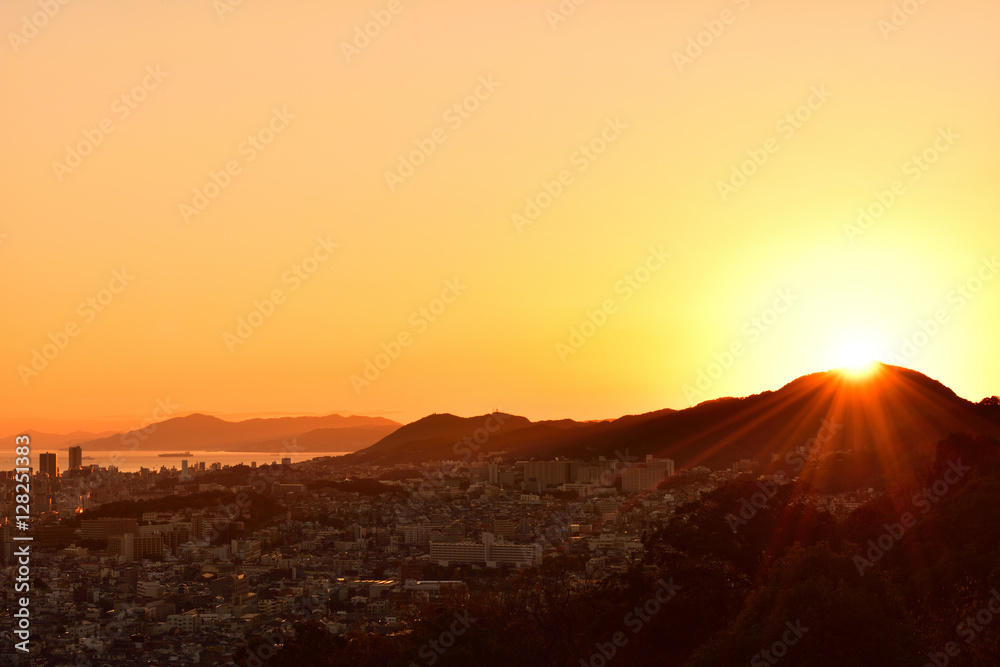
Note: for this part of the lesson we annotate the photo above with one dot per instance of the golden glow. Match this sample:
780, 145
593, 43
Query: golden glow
857, 357
557, 88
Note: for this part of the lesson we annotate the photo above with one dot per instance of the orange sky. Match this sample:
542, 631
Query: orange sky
269, 159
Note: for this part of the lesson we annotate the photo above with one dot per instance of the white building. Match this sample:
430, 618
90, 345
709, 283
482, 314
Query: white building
488, 552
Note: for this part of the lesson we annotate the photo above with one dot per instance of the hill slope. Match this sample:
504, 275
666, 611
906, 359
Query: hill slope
197, 431
893, 416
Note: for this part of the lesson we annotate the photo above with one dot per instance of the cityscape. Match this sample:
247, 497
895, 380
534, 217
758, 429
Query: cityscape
544, 333
197, 559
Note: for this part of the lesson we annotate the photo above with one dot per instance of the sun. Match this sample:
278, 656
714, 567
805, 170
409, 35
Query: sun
856, 357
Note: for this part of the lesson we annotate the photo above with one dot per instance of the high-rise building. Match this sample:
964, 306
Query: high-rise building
75, 458
648, 477
47, 464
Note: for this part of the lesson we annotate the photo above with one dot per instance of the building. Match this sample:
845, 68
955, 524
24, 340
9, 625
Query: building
75, 458
545, 474
647, 477
189, 621
47, 464
131, 547
233, 587
641, 479
446, 553
505, 528
149, 589
487, 552
104, 528
416, 534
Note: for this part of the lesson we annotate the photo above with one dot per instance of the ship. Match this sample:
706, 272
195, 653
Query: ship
176, 454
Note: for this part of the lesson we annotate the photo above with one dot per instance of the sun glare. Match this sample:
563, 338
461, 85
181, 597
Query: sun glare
856, 357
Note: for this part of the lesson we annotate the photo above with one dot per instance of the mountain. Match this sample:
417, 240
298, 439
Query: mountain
887, 420
344, 439
445, 436
435, 436
202, 432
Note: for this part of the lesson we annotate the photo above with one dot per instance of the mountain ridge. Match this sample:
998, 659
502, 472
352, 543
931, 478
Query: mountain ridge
198, 431
892, 409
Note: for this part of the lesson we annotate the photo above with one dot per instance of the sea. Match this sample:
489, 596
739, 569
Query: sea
127, 461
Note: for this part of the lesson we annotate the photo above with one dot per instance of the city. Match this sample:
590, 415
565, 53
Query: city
359, 547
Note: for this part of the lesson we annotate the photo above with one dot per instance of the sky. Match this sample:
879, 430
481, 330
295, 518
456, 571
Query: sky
407, 207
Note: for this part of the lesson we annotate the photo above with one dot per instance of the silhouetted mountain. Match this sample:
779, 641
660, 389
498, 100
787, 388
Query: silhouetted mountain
888, 419
435, 435
343, 439
198, 431
445, 436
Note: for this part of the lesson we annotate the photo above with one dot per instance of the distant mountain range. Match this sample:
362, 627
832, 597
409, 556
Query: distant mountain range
891, 418
331, 433
888, 420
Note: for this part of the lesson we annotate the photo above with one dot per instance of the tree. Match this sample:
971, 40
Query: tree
817, 610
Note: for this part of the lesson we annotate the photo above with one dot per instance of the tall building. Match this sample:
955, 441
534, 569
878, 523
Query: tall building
648, 477
47, 464
75, 458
